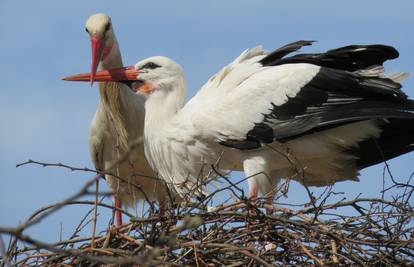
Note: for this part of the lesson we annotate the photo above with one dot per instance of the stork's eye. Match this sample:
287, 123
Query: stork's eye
86, 29
150, 65
107, 26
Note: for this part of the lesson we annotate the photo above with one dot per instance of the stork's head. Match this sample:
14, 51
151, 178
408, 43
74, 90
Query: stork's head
155, 75
99, 28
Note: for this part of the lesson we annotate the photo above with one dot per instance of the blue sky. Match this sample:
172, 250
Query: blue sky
46, 119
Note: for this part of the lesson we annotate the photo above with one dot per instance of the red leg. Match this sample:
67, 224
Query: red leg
253, 197
269, 202
253, 193
118, 214
162, 207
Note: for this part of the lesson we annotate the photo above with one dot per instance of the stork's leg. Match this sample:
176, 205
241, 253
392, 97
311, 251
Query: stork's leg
118, 214
253, 193
260, 179
162, 206
255, 172
269, 203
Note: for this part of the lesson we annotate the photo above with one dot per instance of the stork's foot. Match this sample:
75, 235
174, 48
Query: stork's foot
268, 203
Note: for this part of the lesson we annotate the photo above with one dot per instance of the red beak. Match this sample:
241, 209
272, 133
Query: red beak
97, 48
110, 75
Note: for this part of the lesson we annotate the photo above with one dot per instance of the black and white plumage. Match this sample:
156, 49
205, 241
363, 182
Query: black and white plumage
315, 118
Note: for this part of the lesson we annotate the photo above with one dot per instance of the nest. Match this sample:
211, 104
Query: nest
361, 231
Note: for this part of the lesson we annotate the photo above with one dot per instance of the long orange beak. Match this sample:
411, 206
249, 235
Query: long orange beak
97, 49
111, 75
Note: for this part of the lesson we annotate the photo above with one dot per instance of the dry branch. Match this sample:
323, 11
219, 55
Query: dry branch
379, 231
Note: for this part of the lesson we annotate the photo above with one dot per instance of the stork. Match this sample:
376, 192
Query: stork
316, 118
118, 123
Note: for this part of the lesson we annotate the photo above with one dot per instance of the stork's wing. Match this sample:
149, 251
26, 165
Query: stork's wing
262, 97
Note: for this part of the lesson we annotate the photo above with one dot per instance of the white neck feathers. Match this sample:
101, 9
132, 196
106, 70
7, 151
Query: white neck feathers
164, 103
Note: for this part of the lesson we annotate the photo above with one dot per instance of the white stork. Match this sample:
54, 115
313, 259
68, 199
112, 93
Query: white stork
316, 118
118, 123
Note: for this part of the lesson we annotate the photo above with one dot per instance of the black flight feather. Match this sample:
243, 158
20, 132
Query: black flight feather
337, 95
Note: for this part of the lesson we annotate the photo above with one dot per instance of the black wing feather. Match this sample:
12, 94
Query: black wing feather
397, 138
337, 95
350, 58
283, 51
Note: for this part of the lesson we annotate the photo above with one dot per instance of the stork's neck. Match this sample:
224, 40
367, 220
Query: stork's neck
161, 109
114, 94
163, 104
114, 58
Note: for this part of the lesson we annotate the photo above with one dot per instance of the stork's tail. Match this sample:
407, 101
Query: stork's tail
397, 138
